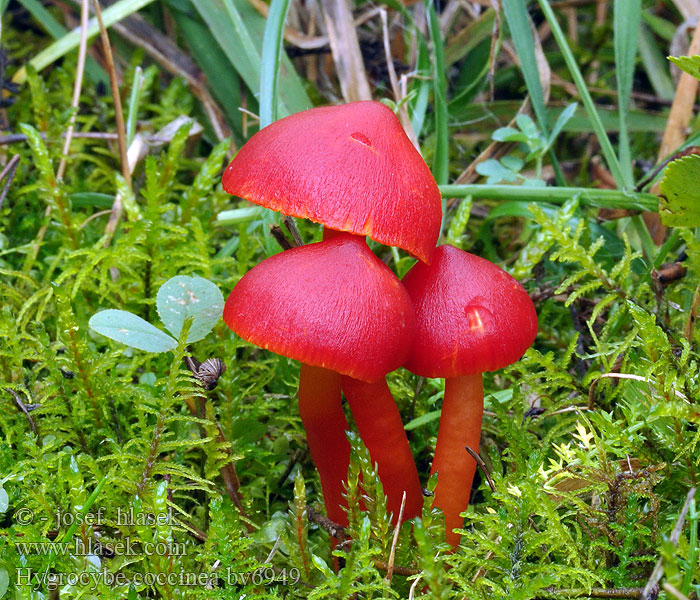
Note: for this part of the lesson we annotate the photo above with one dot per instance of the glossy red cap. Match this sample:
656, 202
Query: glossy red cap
471, 316
333, 304
350, 167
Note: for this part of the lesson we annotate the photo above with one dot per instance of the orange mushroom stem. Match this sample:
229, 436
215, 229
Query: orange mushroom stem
381, 429
471, 317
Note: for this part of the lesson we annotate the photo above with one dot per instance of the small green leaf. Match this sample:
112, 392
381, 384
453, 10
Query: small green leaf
182, 297
127, 328
509, 134
495, 171
527, 126
422, 420
689, 64
512, 162
679, 205
4, 500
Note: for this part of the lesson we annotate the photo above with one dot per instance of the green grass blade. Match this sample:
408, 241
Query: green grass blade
603, 140
441, 160
627, 18
419, 105
116, 12
211, 59
519, 25
239, 29
655, 65
271, 52
44, 18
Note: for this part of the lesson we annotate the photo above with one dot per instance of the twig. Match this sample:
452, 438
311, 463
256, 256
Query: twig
118, 113
23, 408
674, 592
280, 238
395, 540
335, 529
675, 535
292, 228
82, 52
338, 532
482, 466
396, 90
9, 171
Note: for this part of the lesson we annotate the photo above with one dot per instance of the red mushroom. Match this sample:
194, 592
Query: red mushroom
336, 308
350, 167
471, 317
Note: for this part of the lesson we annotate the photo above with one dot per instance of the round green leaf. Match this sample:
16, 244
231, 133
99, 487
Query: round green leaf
127, 328
679, 205
182, 297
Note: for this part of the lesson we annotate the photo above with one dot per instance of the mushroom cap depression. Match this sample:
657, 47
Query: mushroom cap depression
349, 167
332, 304
471, 316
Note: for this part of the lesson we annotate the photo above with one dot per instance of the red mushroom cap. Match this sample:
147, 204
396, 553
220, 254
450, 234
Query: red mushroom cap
350, 167
333, 304
471, 316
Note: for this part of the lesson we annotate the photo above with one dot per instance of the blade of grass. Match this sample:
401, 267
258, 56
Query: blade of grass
418, 106
239, 30
441, 161
626, 22
271, 52
655, 65
212, 61
46, 20
519, 25
570, 60
70, 41
133, 106
627, 17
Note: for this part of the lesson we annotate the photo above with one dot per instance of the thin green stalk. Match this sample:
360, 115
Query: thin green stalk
555, 195
442, 147
133, 108
605, 145
627, 18
271, 53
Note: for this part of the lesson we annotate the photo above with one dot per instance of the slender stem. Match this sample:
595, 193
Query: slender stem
556, 195
381, 429
460, 426
325, 425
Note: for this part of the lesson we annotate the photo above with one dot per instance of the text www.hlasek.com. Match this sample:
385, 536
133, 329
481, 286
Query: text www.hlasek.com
262, 576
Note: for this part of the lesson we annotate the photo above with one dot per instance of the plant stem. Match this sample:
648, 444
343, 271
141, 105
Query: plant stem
556, 195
